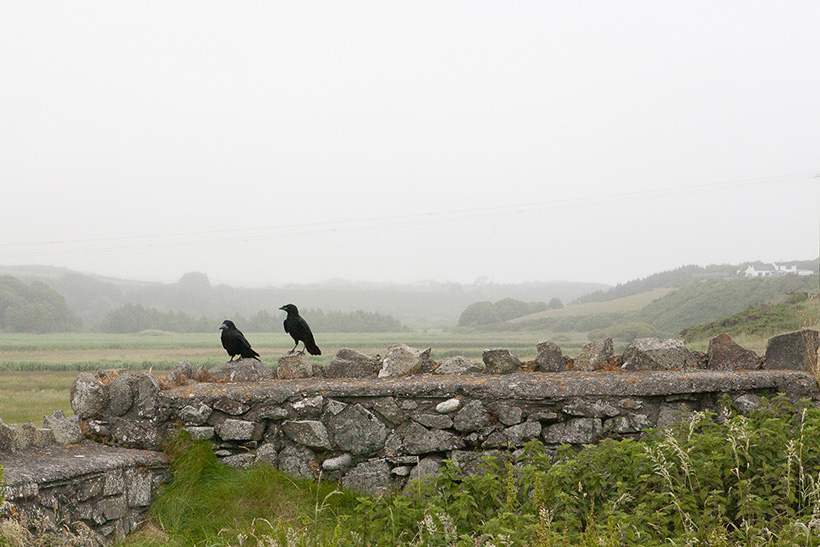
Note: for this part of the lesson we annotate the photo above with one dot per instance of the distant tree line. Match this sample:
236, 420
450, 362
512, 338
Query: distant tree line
37, 308
488, 313
423, 305
135, 318
34, 308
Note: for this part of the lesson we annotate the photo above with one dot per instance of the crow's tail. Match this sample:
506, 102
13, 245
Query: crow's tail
313, 349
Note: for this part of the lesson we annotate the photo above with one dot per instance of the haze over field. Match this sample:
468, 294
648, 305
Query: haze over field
295, 142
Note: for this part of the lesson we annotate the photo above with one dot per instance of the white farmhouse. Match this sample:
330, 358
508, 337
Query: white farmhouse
774, 270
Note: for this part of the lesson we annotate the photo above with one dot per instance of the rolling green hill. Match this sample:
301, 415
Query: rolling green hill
800, 310
631, 303
665, 312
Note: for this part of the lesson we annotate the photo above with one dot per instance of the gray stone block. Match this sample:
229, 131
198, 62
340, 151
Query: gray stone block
201, 433
371, 477
793, 351
240, 430
357, 430
310, 433
500, 361
573, 431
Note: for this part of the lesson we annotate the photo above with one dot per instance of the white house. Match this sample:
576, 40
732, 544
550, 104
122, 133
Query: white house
774, 270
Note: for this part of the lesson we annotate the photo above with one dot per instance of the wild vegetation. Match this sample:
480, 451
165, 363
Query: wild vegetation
802, 309
726, 480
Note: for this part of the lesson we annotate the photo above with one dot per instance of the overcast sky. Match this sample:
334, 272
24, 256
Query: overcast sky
291, 142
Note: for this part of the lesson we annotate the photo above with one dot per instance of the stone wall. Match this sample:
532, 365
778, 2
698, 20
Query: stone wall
400, 416
374, 434
55, 481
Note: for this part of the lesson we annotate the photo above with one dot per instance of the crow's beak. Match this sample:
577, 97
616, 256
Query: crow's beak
283, 308
222, 327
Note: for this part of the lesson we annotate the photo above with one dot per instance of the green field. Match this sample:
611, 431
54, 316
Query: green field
160, 350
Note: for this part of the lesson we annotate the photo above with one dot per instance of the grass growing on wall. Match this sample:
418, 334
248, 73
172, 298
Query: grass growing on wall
729, 481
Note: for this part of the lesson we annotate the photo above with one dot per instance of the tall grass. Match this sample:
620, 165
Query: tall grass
211, 504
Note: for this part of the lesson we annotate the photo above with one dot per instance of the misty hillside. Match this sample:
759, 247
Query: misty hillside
665, 312
662, 304
684, 275
420, 305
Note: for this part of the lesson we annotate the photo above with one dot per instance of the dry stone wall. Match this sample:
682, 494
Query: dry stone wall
400, 416
375, 434
54, 480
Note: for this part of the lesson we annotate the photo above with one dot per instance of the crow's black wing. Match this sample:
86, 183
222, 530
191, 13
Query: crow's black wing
307, 337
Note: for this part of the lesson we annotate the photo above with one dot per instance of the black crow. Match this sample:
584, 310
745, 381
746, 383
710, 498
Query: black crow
235, 342
299, 330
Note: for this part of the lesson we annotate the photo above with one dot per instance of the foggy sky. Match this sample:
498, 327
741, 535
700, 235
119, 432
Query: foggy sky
290, 142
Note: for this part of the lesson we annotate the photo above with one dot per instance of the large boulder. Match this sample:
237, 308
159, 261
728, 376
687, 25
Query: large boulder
795, 350
725, 354
595, 355
402, 360
657, 354
349, 363
501, 361
550, 358
241, 370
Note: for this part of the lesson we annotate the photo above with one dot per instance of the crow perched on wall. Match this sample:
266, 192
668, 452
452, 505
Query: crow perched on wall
235, 342
299, 330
